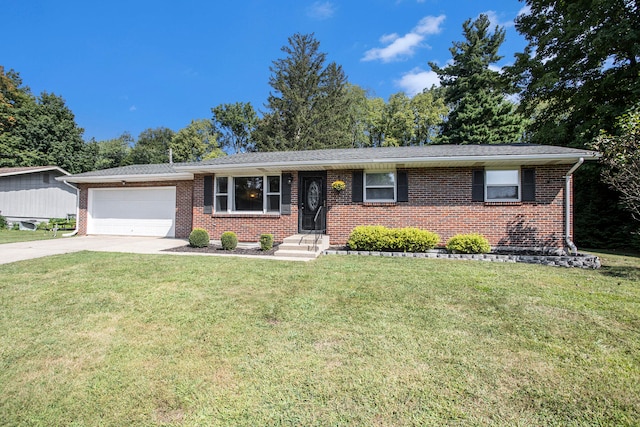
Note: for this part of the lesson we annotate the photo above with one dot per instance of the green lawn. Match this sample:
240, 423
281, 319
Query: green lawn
13, 236
115, 339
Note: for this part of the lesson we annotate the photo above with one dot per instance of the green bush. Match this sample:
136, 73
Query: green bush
3, 222
199, 238
380, 238
229, 240
15, 226
266, 242
63, 223
472, 243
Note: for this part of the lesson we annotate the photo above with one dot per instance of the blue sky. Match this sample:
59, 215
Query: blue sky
132, 65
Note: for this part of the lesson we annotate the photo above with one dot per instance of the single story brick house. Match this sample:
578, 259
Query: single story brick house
515, 194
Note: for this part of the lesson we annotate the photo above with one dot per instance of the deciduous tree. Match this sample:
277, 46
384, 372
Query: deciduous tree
621, 159
234, 125
197, 141
152, 146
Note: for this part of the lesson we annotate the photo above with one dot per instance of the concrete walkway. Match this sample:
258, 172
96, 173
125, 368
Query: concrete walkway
12, 252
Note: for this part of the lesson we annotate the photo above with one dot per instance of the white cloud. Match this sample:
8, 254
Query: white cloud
321, 10
399, 47
525, 10
494, 19
429, 25
416, 80
132, 108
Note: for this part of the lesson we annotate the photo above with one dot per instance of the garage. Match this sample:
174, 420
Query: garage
149, 211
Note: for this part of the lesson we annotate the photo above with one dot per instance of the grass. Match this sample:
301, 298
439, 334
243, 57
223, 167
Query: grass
115, 339
14, 236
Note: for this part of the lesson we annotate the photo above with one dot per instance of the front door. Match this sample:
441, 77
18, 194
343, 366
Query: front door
312, 202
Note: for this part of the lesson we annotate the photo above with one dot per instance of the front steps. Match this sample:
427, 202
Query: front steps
303, 246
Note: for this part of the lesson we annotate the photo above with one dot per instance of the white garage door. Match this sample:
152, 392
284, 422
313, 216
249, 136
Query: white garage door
132, 211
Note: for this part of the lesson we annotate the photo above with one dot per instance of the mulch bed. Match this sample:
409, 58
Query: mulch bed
217, 249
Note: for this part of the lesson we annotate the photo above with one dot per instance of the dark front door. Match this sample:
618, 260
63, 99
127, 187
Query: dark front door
312, 195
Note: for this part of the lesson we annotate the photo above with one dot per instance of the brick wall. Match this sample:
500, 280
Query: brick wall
440, 201
248, 227
184, 196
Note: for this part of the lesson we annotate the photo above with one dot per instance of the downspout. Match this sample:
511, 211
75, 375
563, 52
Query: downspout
74, 232
567, 207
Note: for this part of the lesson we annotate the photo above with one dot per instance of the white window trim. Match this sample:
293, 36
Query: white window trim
365, 186
518, 184
230, 194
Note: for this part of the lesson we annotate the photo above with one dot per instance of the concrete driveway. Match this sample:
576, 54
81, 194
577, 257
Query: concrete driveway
12, 252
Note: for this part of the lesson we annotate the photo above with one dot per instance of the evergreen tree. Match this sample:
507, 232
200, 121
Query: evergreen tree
480, 112
307, 108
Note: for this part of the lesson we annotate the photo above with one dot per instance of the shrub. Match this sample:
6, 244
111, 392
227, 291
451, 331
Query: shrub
379, 238
472, 243
266, 242
199, 238
229, 240
3, 222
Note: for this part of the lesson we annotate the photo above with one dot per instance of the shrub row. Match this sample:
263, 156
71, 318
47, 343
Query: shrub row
410, 239
199, 238
380, 238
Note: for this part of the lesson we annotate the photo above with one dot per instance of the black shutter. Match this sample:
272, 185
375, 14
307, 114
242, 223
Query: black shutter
208, 194
356, 187
403, 186
477, 192
285, 197
528, 185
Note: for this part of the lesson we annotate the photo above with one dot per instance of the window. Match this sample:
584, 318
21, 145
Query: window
222, 194
502, 185
247, 194
380, 187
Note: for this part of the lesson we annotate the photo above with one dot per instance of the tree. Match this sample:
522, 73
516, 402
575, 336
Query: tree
480, 112
38, 131
578, 73
429, 112
234, 125
307, 105
197, 141
581, 64
152, 146
17, 105
113, 153
398, 121
621, 159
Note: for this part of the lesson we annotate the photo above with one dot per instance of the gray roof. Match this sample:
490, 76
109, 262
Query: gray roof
349, 158
387, 153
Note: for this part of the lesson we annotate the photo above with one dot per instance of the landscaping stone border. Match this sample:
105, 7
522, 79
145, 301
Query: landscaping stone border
577, 261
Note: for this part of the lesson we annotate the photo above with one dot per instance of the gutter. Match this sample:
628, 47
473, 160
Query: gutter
75, 231
567, 207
